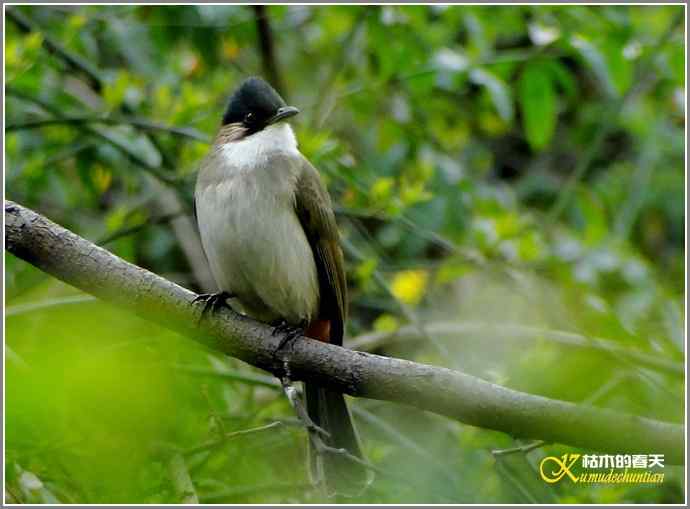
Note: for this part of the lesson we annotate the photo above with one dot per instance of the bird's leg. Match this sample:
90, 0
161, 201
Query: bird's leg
289, 332
213, 301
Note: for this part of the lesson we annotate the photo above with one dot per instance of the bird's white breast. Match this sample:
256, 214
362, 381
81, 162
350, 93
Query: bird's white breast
252, 151
252, 237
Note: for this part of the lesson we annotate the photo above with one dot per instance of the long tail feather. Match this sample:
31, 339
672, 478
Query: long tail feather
341, 475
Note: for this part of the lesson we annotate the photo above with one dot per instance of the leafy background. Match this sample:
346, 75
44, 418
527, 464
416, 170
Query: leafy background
505, 172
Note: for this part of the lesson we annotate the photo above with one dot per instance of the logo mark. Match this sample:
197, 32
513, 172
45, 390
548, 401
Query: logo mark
561, 467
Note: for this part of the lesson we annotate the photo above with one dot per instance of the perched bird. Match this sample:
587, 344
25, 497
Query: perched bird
268, 230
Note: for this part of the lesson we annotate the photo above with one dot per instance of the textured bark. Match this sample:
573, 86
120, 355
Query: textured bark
468, 399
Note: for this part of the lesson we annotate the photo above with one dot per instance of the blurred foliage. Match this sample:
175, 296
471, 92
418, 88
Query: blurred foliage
513, 165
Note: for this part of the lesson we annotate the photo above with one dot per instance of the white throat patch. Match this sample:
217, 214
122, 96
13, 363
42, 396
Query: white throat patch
253, 149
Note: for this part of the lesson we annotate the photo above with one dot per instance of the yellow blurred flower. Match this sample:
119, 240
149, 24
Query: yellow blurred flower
409, 285
76, 22
382, 189
231, 49
386, 323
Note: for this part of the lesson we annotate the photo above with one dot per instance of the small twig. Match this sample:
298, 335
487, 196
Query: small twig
73, 61
69, 152
639, 187
14, 358
521, 448
238, 491
293, 398
124, 232
182, 482
33, 488
47, 303
268, 56
528, 496
391, 432
326, 98
184, 227
323, 448
140, 123
45, 106
125, 150
10, 496
238, 376
404, 309
316, 433
216, 421
372, 340
591, 399
518, 55
229, 436
154, 170
423, 233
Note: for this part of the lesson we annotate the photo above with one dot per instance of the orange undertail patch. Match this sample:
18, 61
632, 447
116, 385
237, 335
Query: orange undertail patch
319, 329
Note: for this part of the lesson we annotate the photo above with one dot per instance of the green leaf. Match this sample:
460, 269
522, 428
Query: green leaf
676, 57
620, 68
592, 217
537, 99
562, 77
115, 90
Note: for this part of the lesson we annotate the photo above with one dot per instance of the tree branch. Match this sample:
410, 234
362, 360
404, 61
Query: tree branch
73, 61
125, 150
181, 480
211, 444
130, 230
471, 400
143, 124
268, 56
525, 333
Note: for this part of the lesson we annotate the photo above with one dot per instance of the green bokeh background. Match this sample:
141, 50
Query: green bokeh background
511, 166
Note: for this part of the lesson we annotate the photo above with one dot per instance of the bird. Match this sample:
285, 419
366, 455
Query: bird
268, 230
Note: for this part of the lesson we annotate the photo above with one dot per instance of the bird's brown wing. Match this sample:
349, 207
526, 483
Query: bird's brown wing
327, 408
315, 212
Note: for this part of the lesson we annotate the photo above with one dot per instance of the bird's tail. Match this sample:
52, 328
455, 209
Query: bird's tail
340, 474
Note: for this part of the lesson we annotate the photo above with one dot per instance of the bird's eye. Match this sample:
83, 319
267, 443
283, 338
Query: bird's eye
248, 118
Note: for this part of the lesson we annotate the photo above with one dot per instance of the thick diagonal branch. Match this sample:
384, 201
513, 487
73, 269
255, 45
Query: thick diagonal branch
471, 400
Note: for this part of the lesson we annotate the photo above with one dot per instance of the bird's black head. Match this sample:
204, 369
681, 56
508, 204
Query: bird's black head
255, 105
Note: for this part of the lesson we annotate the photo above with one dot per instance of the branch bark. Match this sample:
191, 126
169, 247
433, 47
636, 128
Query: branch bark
471, 400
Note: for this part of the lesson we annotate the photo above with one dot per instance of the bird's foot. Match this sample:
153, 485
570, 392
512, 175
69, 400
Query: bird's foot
289, 332
213, 302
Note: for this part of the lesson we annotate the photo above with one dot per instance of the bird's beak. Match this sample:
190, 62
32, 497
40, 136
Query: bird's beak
282, 113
